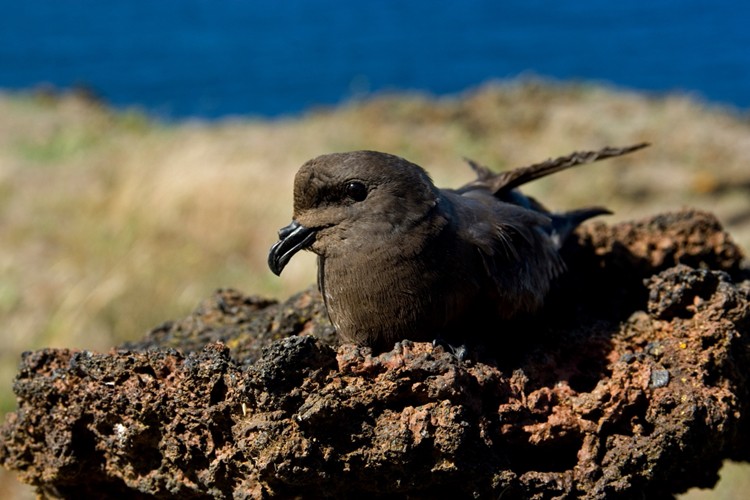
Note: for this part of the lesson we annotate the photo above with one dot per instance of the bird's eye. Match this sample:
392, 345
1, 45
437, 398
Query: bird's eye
356, 190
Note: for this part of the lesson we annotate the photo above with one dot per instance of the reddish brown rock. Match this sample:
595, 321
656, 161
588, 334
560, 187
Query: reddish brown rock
633, 381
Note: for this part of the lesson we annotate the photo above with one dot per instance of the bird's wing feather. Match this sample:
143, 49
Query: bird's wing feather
506, 235
512, 244
502, 183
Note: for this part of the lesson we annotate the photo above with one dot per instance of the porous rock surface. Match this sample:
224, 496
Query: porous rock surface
632, 381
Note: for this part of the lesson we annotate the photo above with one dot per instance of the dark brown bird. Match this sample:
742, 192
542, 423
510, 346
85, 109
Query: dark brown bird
401, 259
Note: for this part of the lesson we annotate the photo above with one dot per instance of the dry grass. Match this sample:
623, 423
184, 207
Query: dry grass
112, 223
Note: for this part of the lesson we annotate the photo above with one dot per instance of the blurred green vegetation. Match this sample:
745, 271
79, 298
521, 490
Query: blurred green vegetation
112, 222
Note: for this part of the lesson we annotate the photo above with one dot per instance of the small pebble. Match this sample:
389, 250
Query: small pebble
659, 378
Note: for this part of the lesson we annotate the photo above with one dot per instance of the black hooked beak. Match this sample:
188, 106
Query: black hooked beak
292, 239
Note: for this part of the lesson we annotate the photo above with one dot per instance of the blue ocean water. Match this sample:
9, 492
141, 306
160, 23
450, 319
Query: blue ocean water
213, 58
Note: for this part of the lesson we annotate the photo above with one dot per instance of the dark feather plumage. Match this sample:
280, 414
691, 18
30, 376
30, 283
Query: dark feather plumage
401, 259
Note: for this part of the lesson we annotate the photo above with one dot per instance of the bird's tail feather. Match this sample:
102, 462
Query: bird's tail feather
564, 223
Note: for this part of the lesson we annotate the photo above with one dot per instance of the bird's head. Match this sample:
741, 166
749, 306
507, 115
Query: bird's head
346, 201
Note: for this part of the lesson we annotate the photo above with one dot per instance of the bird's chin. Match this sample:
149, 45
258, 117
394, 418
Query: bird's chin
292, 239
